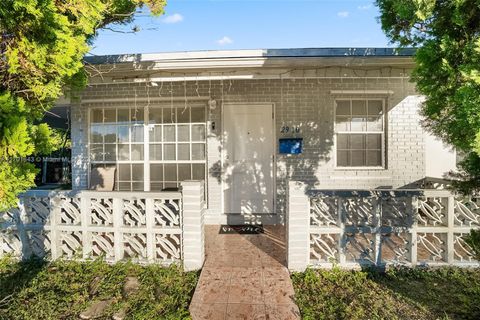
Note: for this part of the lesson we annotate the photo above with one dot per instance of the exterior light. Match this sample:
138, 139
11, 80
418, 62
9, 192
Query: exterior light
212, 104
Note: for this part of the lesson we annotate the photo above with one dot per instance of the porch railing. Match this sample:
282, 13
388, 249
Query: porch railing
146, 227
354, 228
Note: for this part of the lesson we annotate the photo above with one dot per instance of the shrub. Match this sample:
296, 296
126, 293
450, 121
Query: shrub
473, 240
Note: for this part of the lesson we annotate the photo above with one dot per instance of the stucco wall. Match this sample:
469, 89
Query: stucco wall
306, 103
440, 158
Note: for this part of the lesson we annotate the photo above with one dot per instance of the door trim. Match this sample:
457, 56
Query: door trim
274, 145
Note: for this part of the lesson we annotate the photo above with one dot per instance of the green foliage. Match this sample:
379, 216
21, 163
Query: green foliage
46, 139
447, 72
14, 137
42, 44
15, 177
396, 294
447, 292
38, 290
338, 294
468, 177
473, 240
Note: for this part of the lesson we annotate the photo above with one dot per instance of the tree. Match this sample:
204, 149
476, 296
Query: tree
446, 34
42, 44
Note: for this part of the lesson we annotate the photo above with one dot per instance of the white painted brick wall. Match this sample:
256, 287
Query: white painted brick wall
79, 134
306, 103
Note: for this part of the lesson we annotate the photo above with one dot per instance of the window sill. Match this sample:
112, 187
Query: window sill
360, 168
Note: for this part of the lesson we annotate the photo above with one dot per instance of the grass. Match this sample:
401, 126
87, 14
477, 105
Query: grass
36, 289
445, 293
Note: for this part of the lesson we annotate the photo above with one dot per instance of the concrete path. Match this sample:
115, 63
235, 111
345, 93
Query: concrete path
244, 277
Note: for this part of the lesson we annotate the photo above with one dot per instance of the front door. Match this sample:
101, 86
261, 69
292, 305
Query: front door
248, 159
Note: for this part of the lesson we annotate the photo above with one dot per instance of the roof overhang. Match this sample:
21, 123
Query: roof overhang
243, 63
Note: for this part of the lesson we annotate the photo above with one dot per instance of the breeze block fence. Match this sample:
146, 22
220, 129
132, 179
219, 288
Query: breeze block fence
146, 227
356, 228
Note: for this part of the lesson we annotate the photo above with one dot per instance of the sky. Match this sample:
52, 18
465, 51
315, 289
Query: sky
190, 25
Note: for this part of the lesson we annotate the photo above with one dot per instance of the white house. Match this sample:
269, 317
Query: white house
327, 141
248, 121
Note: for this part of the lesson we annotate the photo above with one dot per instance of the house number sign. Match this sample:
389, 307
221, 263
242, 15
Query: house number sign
290, 129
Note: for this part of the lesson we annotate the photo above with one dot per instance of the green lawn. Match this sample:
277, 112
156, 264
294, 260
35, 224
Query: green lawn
63, 289
446, 293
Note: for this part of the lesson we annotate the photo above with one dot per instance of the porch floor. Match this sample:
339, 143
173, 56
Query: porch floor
244, 277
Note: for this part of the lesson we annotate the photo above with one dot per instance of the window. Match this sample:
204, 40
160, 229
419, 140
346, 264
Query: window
360, 134
168, 142
117, 139
177, 145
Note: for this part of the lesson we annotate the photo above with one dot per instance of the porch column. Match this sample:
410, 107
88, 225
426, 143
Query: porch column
298, 227
193, 201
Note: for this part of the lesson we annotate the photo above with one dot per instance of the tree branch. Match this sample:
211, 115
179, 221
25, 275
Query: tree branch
118, 31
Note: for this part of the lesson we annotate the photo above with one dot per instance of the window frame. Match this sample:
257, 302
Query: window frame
146, 162
336, 132
176, 142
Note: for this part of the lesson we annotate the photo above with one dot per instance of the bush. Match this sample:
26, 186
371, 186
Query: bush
473, 240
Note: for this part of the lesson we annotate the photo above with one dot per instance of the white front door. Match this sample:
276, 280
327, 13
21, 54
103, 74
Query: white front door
248, 159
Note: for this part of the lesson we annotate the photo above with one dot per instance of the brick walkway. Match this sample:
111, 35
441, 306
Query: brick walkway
244, 277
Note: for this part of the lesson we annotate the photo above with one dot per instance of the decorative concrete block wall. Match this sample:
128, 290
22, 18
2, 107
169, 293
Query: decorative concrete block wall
381, 228
147, 227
